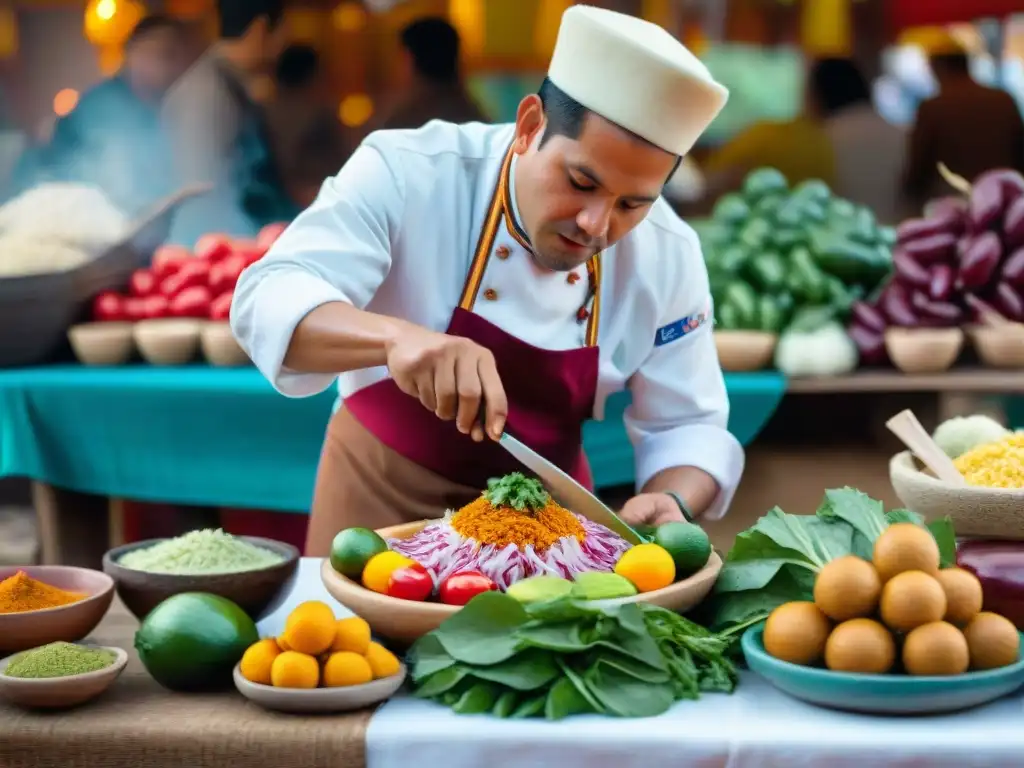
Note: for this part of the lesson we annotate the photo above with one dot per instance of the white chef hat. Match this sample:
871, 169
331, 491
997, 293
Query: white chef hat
635, 74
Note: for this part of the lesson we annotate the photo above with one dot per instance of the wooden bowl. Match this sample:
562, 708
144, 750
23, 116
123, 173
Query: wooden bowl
977, 512
404, 621
745, 350
999, 346
70, 623
61, 692
102, 343
320, 700
167, 342
220, 347
253, 591
923, 350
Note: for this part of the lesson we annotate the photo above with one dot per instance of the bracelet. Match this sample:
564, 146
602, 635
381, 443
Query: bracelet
687, 514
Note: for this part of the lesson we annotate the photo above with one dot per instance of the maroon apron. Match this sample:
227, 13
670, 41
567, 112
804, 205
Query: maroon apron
423, 464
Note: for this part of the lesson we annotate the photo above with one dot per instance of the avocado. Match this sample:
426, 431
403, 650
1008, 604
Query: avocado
601, 586
192, 641
539, 589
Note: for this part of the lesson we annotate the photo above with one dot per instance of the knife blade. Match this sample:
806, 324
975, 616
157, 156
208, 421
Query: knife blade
567, 491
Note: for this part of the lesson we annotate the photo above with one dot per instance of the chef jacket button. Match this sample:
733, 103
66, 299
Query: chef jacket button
573, 278
490, 294
503, 251
583, 314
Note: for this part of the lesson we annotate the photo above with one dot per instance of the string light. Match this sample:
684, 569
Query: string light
349, 17
65, 102
355, 109
106, 9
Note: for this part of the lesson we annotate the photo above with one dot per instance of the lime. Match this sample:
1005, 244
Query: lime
687, 543
352, 550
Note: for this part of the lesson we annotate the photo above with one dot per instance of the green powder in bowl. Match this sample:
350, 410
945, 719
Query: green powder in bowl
199, 553
58, 660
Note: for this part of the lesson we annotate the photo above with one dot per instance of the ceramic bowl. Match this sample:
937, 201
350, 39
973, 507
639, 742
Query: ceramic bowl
745, 350
61, 692
70, 623
320, 700
220, 347
404, 621
102, 343
880, 694
999, 346
167, 342
253, 591
923, 350
976, 511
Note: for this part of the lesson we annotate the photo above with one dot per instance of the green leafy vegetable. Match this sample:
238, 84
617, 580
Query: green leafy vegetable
518, 491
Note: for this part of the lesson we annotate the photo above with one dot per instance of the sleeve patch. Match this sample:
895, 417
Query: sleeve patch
680, 328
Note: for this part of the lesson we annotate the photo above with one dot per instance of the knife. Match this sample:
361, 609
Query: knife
567, 491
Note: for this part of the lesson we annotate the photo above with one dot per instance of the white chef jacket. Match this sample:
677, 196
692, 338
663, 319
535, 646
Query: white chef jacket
395, 232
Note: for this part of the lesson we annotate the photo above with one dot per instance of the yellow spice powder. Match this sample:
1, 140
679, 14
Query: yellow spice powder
501, 526
995, 465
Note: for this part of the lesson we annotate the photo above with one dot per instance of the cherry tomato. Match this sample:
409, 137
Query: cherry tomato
189, 275
460, 588
108, 307
410, 582
191, 302
220, 307
213, 247
143, 283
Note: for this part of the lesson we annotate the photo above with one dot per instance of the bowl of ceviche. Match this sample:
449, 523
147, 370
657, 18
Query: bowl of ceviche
519, 541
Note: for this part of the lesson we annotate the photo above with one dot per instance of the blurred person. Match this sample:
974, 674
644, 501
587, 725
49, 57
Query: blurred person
219, 132
430, 79
800, 148
869, 151
968, 126
309, 139
113, 138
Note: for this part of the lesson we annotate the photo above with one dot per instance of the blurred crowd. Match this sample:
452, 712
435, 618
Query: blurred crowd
252, 120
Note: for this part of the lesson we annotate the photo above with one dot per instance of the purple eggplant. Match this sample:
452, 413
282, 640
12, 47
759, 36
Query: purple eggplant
942, 312
946, 222
931, 249
979, 261
953, 206
909, 271
1013, 269
868, 316
940, 286
895, 305
991, 194
1013, 224
980, 308
870, 344
1009, 301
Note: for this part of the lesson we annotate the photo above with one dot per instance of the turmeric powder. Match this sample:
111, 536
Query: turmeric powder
516, 510
20, 593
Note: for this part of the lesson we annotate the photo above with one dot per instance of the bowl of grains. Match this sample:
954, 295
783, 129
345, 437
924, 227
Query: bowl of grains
247, 570
42, 604
59, 675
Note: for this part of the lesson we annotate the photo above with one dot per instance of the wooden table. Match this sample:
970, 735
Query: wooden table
138, 724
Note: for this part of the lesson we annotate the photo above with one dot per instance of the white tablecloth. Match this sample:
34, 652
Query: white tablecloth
756, 727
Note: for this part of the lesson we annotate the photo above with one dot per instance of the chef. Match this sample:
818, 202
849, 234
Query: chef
462, 280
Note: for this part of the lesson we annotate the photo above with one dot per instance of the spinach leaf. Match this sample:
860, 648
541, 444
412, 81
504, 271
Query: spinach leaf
530, 707
441, 682
477, 700
945, 537
581, 686
866, 515
482, 632
754, 561
564, 699
790, 583
526, 671
903, 516
624, 695
630, 666
506, 704
817, 540
565, 609
564, 637
640, 648
426, 657
631, 618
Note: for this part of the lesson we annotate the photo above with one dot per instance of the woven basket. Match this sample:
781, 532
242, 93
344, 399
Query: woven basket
976, 512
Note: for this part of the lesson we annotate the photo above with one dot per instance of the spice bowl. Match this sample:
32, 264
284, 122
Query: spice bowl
253, 591
220, 347
167, 342
923, 350
102, 343
999, 346
742, 351
61, 692
69, 623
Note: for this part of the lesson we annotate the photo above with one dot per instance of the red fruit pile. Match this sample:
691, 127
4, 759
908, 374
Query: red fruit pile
190, 284
963, 260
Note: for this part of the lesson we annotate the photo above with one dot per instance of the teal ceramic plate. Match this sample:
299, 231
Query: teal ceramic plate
880, 694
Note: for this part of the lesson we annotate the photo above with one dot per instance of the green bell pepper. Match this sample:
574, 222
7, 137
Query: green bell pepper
847, 259
841, 210
727, 317
805, 280
813, 189
755, 233
786, 239
766, 271
743, 300
863, 228
770, 317
763, 181
886, 236
841, 295
768, 206
730, 209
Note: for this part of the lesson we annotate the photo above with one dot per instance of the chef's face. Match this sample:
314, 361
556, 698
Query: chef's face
579, 196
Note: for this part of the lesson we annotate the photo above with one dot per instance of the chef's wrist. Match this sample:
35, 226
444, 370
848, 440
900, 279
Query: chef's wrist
680, 502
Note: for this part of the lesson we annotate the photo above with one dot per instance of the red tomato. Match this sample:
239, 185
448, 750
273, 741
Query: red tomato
191, 302
220, 307
189, 275
269, 234
135, 308
411, 583
460, 588
224, 274
142, 283
248, 250
213, 247
168, 258
154, 307
109, 307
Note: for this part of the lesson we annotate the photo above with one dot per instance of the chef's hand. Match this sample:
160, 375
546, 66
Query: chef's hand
453, 377
651, 509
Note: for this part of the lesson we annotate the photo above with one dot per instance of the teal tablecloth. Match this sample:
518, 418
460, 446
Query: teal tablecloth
223, 437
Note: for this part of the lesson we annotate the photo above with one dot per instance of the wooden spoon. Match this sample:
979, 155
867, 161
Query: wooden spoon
909, 430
